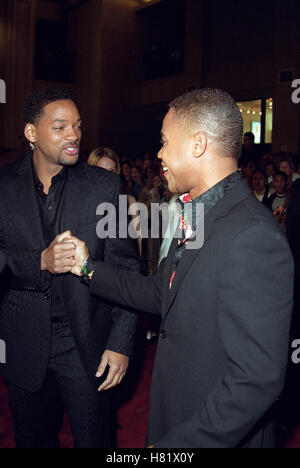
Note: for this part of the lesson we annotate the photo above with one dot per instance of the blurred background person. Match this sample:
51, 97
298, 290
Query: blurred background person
248, 170
137, 179
287, 167
108, 159
105, 158
249, 151
260, 186
278, 202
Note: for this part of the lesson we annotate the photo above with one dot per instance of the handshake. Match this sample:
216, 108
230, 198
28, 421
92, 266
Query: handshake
66, 254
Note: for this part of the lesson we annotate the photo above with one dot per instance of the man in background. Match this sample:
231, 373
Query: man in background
249, 151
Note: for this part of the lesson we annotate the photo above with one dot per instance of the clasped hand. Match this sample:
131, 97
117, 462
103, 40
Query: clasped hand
67, 254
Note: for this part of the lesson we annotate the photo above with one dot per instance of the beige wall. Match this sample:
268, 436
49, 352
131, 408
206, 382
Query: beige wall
252, 70
286, 54
120, 38
106, 43
166, 89
19, 39
84, 21
3, 33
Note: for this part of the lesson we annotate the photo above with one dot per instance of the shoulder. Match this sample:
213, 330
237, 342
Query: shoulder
250, 210
96, 175
10, 176
11, 171
259, 229
295, 176
253, 221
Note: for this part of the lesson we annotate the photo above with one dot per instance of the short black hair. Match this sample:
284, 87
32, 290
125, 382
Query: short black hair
282, 174
250, 135
215, 113
40, 98
261, 171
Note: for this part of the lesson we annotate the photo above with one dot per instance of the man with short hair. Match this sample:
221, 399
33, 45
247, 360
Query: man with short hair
223, 346
278, 202
249, 150
287, 167
56, 334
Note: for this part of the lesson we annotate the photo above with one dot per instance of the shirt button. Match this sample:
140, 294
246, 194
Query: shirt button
163, 334
46, 297
50, 208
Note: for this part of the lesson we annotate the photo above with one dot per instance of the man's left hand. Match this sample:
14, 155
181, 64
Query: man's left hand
118, 364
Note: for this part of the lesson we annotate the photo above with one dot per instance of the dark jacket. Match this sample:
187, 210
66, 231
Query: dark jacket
25, 315
293, 235
223, 348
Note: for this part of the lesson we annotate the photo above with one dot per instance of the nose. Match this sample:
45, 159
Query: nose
73, 134
159, 154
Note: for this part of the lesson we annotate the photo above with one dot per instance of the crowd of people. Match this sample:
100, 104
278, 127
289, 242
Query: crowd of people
271, 177
142, 180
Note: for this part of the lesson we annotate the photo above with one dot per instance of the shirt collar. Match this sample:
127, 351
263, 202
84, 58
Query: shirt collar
210, 198
215, 193
38, 184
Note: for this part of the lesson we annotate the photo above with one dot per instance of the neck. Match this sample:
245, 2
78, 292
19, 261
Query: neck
45, 171
212, 177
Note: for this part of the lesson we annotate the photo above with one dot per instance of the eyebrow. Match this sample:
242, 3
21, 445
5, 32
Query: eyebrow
62, 120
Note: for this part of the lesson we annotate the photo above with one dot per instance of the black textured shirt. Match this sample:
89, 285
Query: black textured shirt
50, 209
209, 199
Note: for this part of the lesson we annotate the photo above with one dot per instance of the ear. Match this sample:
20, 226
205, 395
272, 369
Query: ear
30, 133
199, 144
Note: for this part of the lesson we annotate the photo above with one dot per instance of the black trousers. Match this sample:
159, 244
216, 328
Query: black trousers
38, 417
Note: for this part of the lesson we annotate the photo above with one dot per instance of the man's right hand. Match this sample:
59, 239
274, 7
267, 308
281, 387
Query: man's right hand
59, 257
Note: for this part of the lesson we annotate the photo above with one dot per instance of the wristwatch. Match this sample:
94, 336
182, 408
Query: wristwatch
87, 271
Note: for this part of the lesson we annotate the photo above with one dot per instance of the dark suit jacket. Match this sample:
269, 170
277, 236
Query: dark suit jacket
293, 221
293, 235
223, 348
25, 323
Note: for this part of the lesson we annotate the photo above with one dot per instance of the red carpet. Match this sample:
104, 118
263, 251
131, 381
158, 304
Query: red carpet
132, 413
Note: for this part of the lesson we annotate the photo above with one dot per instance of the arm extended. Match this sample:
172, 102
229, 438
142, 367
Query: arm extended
128, 288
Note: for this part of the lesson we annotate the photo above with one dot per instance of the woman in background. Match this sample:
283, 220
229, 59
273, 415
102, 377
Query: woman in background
105, 158
108, 159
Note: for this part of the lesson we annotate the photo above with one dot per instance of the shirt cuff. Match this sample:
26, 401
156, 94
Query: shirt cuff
90, 269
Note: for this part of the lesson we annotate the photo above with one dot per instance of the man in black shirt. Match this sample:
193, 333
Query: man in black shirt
50, 209
62, 345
